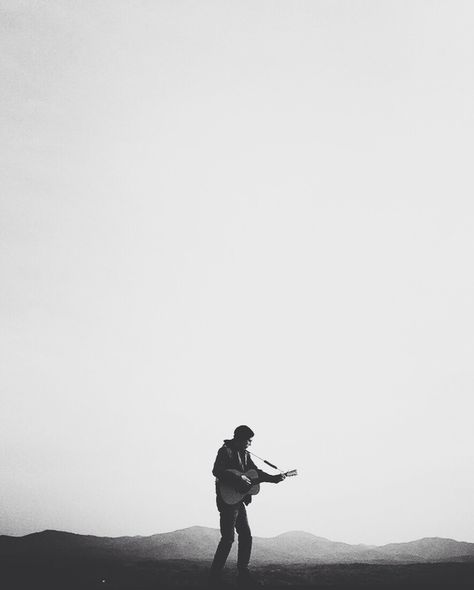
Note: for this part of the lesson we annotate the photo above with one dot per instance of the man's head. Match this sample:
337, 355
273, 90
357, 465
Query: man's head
243, 436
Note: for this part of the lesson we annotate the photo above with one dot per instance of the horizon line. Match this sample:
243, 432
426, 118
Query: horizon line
297, 531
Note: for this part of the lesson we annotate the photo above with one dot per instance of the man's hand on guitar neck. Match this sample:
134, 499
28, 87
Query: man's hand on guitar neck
275, 478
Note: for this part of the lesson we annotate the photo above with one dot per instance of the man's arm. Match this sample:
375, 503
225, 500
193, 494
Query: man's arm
262, 475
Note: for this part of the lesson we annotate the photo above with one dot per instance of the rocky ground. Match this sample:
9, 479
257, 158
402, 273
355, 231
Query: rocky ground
188, 575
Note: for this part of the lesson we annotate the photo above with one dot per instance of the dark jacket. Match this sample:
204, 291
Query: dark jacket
228, 458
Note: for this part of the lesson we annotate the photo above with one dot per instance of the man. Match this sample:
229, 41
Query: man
233, 455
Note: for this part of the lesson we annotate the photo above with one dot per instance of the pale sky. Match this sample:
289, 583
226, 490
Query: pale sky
216, 213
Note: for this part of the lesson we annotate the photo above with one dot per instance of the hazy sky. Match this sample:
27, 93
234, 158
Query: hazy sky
215, 213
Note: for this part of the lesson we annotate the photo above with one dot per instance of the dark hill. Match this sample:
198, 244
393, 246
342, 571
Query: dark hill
199, 543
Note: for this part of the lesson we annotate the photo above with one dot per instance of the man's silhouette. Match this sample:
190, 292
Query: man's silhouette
233, 455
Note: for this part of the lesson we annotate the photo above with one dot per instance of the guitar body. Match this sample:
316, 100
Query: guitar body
234, 493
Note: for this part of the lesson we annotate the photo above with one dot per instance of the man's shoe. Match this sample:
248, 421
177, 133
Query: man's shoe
247, 580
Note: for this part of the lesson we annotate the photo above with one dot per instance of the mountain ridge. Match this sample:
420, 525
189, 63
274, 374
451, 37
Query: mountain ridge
199, 543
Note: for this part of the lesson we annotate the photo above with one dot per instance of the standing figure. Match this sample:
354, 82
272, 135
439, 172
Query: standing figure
233, 455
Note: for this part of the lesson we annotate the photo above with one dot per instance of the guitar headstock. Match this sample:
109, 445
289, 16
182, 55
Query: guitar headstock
291, 473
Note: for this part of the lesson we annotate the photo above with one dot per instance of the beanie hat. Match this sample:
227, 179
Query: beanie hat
243, 431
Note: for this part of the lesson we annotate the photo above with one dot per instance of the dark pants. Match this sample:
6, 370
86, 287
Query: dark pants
232, 517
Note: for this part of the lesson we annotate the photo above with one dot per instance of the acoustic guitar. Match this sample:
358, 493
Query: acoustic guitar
232, 493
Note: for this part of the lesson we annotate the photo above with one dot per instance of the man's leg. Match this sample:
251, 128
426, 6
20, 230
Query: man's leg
228, 517
245, 578
245, 539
